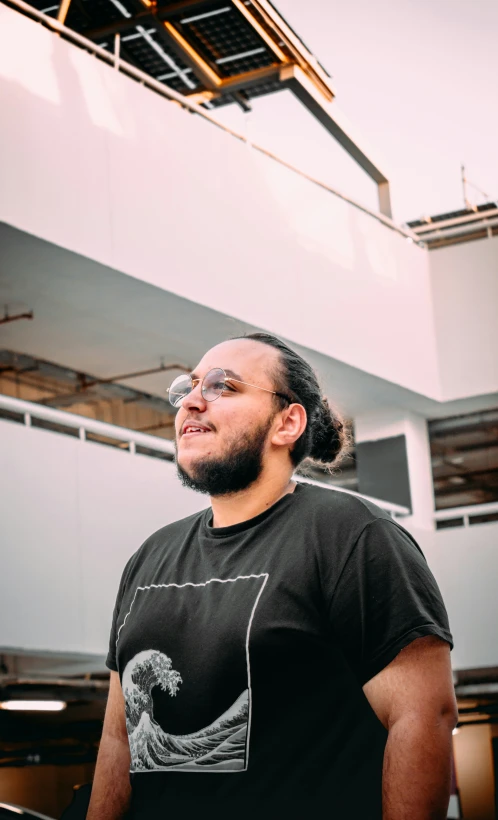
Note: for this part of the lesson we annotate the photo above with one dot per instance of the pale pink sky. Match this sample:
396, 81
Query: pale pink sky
418, 80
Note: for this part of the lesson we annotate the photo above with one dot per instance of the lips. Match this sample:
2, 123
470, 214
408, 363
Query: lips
191, 427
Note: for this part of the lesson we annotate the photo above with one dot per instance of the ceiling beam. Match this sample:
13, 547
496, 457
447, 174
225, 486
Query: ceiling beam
123, 376
470, 475
61, 399
449, 453
471, 486
204, 72
148, 15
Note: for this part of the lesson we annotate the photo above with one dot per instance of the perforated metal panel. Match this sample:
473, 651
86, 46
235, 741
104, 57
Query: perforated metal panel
227, 41
215, 40
84, 15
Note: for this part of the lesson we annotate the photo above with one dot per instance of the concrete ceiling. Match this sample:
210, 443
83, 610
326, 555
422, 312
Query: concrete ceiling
98, 320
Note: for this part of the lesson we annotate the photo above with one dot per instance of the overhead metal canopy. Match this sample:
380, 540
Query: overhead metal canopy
455, 227
216, 52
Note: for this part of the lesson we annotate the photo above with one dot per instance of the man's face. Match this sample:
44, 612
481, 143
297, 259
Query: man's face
230, 454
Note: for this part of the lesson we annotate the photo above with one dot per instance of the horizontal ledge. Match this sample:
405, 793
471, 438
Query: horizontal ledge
170, 94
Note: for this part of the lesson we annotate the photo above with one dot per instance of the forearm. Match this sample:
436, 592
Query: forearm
417, 769
111, 784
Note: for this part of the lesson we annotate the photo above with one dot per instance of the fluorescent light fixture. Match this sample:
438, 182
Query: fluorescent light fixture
33, 705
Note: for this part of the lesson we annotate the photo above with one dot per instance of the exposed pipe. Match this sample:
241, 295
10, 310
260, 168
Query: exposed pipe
162, 367
6, 318
85, 385
75, 683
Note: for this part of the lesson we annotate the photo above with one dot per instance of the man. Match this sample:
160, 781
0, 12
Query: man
286, 651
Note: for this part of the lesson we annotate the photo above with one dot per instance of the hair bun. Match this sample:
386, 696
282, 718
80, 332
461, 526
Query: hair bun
329, 436
325, 438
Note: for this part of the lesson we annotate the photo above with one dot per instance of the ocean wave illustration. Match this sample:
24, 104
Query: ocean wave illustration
221, 745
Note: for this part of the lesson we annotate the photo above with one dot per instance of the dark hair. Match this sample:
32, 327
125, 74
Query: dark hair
325, 438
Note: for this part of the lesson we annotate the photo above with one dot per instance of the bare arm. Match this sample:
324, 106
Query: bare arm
111, 784
414, 699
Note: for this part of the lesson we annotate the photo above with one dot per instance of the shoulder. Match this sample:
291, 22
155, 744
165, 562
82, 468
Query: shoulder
359, 524
346, 533
335, 523
341, 510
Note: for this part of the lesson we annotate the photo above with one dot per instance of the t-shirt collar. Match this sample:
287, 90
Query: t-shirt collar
242, 526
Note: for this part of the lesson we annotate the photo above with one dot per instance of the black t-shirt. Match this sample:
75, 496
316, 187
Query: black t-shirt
242, 652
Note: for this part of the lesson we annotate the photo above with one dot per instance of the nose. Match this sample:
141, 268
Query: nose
195, 400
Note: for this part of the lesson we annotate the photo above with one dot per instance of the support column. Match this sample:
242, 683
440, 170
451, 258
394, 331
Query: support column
394, 462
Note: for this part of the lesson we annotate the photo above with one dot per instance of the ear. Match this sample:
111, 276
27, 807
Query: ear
289, 425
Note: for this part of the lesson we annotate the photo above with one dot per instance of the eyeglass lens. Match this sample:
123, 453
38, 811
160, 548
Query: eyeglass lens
212, 387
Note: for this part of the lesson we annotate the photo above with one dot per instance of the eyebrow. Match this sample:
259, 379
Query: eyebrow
233, 375
230, 374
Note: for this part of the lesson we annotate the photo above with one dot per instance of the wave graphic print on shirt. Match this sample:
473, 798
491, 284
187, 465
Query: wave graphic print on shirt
186, 680
222, 744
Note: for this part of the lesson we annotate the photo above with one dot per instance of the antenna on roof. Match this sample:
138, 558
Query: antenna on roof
465, 184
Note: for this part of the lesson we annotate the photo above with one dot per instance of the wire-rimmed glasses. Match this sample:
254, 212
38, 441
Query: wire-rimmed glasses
212, 386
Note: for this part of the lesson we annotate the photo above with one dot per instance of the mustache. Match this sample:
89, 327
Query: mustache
193, 420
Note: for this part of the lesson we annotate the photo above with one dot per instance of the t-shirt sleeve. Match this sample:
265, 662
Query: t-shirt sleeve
111, 660
385, 598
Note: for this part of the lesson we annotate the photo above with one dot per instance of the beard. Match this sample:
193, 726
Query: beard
229, 474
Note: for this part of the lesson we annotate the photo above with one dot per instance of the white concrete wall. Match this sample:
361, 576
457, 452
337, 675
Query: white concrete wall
72, 513
465, 564
98, 164
465, 292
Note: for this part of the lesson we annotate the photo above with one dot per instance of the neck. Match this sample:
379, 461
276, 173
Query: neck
260, 496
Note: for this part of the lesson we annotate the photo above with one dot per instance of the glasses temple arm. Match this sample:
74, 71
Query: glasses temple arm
273, 392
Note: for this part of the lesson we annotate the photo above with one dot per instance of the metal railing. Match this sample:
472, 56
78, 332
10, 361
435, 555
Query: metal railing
85, 427
470, 229
169, 93
466, 514
132, 441
470, 220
